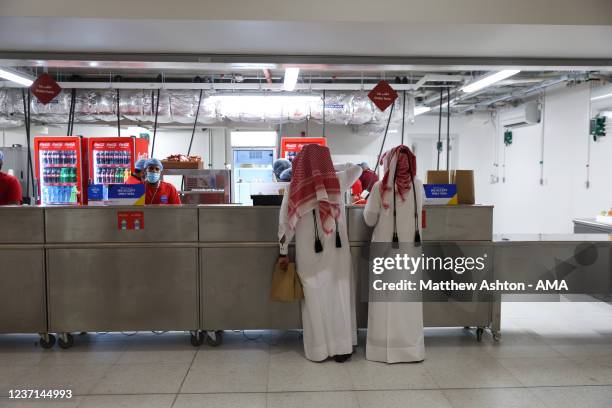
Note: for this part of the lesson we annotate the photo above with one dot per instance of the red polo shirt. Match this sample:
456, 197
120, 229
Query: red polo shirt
164, 193
10, 189
133, 180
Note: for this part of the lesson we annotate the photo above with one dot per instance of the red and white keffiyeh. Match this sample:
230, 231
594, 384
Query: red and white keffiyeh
399, 164
314, 183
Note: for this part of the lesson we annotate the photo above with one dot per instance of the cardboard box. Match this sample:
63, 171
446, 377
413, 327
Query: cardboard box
464, 179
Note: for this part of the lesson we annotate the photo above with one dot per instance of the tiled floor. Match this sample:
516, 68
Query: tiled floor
551, 355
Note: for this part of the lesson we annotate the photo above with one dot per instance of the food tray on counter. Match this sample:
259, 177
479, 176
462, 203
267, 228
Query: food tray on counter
174, 164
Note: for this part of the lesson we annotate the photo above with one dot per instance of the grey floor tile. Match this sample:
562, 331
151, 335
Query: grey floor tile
127, 401
402, 399
227, 377
23, 356
81, 379
10, 378
142, 379
157, 353
40, 403
372, 375
335, 399
532, 372
470, 373
233, 400
494, 397
576, 397
96, 353
291, 371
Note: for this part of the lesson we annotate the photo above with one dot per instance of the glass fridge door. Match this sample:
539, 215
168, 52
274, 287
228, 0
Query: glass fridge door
252, 165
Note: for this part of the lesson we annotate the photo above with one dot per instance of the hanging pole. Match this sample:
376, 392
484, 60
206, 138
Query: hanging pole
448, 114
384, 139
403, 116
26, 113
195, 123
324, 113
155, 124
438, 145
118, 114
71, 112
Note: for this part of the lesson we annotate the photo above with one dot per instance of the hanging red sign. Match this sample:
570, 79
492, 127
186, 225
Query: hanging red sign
383, 95
45, 88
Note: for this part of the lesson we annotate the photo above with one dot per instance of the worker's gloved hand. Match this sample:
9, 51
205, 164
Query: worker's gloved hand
283, 262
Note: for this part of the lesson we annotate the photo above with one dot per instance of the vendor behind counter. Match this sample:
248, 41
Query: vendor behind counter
158, 191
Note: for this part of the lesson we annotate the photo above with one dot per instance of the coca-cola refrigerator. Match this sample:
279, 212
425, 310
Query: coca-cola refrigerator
61, 170
112, 159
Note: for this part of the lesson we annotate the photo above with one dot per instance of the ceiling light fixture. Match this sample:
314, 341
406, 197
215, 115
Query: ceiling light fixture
597, 98
15, 76
418, 110
291, 77
489, 80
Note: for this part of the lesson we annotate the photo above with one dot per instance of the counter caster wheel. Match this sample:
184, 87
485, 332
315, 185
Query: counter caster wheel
47, 341
214, 338
197, 338
65, 340
479, 332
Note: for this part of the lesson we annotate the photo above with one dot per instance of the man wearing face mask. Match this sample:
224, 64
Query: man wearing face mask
158, 191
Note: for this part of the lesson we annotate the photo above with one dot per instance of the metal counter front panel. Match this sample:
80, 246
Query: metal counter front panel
22, 291
100, 225
238, 224
21, 225
458, 223
236, 287
123, 289
435, 314
358, 231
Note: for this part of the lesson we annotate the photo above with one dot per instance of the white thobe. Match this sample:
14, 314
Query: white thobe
395, 329
328, 308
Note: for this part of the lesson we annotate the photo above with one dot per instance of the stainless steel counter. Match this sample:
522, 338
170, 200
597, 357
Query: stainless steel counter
193, 267
591, 226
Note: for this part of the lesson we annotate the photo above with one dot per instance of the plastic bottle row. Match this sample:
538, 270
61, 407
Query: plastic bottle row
112, 176
113, 158
64, 175
59, 195
59, 157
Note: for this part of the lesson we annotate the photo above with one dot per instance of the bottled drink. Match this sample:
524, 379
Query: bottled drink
73, 194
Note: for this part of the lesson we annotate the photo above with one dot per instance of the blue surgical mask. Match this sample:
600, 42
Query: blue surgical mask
153, 177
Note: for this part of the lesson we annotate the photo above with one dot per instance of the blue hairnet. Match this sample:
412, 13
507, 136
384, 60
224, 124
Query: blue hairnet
140, 164
154, 162
364, 165
285, 175
279, 166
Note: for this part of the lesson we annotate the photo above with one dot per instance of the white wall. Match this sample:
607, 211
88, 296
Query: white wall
522, 205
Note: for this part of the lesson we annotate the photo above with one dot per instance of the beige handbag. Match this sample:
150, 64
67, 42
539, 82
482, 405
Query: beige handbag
286, 285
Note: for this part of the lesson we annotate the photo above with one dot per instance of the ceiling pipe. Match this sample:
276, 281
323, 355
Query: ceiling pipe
217, 86
525, 92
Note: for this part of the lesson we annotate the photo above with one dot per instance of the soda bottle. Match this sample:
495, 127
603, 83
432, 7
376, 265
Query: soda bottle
73, 194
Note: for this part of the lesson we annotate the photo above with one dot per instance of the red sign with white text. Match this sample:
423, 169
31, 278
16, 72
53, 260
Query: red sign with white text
383, 95
130, 220
45, 88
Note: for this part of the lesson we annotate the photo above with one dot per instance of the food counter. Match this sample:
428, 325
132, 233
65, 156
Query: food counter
185, 268
195, 268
